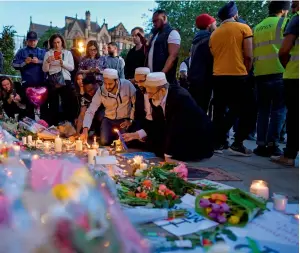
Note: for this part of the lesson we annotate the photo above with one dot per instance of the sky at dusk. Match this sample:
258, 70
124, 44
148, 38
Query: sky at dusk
17, 13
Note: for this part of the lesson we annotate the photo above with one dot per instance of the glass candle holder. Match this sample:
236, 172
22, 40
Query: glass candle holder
260, 188
279, 201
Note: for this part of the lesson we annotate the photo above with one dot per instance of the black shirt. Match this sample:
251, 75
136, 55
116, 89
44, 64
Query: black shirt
134, 59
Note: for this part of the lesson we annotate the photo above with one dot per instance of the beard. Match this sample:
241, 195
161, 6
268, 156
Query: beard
111, 53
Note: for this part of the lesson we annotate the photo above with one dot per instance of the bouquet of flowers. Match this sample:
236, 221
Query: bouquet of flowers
158, 186
233, 207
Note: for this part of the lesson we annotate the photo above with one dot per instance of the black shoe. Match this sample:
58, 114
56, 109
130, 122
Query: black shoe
240, 149
261, 151
274, 151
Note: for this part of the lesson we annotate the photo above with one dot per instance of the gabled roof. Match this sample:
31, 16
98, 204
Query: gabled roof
117, 26
82, 23
39, 29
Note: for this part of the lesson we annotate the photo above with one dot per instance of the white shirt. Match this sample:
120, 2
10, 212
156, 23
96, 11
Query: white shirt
183, 67
54, 66
142, 134
174, 38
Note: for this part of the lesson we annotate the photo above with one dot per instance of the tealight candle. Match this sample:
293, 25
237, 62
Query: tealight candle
91, 156
16, 149
260, 188
35, 157
78, 145
29, 139
280, 201
58, 144
24, 140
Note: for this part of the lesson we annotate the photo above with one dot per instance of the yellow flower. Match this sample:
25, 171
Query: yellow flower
234, 220
61, 192
208, 210
239, 213
83, 176
205, 197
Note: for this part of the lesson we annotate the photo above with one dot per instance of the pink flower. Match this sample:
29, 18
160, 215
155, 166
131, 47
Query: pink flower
43, 123
162, 187
181, 171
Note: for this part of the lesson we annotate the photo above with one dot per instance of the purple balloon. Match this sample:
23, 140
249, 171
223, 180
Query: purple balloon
224, 208
204, 203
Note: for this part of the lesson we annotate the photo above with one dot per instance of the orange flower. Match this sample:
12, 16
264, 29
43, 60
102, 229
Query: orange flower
221, 197
147, 183
142, 195
169, 192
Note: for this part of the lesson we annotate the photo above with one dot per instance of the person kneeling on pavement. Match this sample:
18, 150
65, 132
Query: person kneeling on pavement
180, 129
118, 98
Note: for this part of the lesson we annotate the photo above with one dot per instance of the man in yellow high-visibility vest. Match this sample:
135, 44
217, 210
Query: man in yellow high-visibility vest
268, 71
289, 58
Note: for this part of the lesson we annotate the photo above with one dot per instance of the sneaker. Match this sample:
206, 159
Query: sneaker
274, 151
219, 149
283, 160
240, 150
261, 151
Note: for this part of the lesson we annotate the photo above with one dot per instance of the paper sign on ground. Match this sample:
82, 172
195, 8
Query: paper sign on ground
106, 160
272, 227
217, 185
191, 223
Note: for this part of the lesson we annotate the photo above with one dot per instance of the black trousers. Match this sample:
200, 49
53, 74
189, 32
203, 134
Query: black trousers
291, 90
60, 104
202, 94
234, 93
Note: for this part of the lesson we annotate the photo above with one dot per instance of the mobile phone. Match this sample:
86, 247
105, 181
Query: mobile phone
14, 92
57, 55
30, 55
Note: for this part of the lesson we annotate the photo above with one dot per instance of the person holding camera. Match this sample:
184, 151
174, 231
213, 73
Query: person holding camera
137, 55
29, 61
12, 95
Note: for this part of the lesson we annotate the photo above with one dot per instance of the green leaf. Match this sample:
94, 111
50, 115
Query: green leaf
230, 235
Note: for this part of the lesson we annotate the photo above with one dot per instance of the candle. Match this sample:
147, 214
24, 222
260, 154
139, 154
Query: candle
121, 138
46, 146
91, 156
24, 140
95, 144
143, 166
280, 201
260, 188
78, 145
16, 149
29, 139
58, 144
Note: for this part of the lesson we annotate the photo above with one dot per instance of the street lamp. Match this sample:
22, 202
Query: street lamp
81, 47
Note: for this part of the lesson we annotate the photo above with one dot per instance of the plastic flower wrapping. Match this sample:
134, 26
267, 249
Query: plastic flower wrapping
73, 213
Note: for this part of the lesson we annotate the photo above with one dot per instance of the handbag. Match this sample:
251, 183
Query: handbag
57, 80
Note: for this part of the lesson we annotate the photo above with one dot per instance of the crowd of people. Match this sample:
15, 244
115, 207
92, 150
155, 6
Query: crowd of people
234, 76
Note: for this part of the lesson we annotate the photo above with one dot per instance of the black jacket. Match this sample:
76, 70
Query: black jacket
201, 67
187, 129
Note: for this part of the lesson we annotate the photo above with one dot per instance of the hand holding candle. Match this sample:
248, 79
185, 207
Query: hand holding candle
121, 138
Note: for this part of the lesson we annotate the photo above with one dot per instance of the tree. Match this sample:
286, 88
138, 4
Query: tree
182, 15
7, 47
46, 36
124, 53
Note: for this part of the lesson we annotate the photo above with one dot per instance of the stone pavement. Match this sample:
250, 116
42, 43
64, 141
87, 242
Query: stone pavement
280, 178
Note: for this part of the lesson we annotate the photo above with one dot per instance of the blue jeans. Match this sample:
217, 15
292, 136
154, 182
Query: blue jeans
271, 109
107, 134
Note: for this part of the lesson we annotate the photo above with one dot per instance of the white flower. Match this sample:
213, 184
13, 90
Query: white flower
138, 173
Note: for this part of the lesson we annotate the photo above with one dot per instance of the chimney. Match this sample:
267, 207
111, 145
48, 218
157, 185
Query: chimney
88, 20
